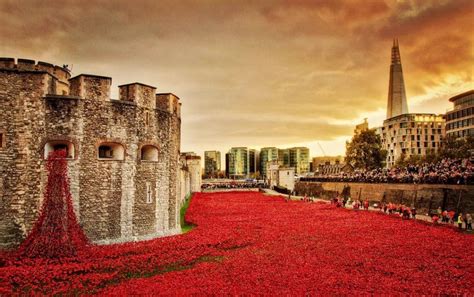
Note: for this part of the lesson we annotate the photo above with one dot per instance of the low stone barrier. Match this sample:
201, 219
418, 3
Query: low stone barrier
423, 196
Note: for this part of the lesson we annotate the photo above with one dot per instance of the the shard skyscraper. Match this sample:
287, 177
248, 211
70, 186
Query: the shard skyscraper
397, 100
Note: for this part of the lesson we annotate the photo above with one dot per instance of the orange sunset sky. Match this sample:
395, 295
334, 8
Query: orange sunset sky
258, 73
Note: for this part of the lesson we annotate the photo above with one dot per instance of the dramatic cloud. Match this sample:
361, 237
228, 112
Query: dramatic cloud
257, 73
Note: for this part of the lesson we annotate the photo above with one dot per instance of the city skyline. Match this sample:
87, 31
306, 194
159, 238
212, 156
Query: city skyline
275, 73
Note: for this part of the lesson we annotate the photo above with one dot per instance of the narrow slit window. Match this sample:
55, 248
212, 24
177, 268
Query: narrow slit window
149, 193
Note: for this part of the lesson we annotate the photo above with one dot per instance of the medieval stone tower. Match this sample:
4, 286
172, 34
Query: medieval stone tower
123, 153
397, 100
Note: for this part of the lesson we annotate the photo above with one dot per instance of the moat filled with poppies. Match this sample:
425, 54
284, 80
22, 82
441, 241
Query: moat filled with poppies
251, 243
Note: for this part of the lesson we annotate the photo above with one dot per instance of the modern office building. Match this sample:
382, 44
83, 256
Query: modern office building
407, 134
212, 163
284, 157
460, 119
299, 159
411, 134
241, 162
397, 100
267, 154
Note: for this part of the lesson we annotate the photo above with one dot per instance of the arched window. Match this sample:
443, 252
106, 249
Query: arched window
149, 153
111, 151
57, 145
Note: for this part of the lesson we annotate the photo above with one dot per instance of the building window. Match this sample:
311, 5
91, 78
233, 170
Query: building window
149, 193
2, 140
58, 145
147, 118
111, 151
149, 153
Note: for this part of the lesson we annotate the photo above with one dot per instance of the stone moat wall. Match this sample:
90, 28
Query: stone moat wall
422, 196
121, 198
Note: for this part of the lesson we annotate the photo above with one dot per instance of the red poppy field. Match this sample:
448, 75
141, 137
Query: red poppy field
250, 243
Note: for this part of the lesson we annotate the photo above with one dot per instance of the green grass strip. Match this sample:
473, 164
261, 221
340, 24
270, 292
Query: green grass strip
185, 227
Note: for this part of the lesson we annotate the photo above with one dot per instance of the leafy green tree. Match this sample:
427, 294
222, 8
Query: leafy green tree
365, 151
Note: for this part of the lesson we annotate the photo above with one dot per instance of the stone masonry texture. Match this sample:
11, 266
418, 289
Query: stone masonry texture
423, 196
119, 199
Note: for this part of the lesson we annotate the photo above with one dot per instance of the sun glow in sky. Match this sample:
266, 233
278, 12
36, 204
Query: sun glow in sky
258, 73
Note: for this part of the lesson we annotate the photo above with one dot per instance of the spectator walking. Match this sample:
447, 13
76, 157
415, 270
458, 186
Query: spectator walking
451, 216
356, 205
468, 222
413, 212
459, 221
366, 204
444, 216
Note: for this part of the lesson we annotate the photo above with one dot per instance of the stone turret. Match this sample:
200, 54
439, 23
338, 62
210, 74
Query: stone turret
58, 85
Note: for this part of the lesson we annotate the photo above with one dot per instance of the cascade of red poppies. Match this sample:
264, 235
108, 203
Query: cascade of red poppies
56, 233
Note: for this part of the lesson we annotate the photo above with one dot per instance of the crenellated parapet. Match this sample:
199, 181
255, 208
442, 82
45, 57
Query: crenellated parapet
60, 74
141, 94
169, 102
93, 87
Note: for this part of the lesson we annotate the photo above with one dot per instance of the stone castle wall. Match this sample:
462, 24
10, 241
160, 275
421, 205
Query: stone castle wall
190, 175
422, 196
129, 198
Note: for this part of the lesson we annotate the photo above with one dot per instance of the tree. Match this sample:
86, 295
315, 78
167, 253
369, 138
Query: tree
402, 160
457, 147
365, 151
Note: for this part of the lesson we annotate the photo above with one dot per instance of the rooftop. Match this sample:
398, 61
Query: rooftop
452, 99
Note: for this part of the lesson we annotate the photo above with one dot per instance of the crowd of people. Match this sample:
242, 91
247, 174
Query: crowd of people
463, 221
446, 171
451, 217
232, 185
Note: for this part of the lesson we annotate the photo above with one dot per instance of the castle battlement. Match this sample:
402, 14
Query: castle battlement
141, 94
96, 87
59, 72
169, 102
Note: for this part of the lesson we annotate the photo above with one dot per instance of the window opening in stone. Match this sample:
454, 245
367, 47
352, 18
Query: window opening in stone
111, 151
149, 153
58, 145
